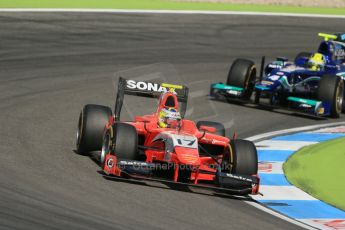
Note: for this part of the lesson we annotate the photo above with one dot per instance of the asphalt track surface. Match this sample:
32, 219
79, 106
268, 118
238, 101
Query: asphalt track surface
53, 63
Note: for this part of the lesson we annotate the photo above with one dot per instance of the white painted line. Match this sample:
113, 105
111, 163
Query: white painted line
282, 145
138, 11
271, 167
282, 193
293, 130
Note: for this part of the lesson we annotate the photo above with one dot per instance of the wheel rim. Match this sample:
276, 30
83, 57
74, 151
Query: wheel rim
250, 81
79, 129
339, 98
249, 77
105, 147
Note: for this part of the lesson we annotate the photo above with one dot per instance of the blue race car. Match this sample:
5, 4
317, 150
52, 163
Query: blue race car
313, 83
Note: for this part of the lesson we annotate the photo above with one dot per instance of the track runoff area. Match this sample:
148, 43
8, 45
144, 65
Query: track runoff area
274, 149
280, 197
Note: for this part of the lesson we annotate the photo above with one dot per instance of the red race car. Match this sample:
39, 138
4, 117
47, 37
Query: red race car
164, 146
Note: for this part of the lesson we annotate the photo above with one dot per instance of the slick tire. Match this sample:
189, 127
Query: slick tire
331, 90
125, 141
245, 158
219, 127
91, 124
243, 74
107, 146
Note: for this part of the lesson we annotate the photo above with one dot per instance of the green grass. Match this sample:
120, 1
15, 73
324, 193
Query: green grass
163, 5
320, 171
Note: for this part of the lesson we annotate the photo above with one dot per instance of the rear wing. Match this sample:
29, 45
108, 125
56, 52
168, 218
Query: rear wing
339, 37
148, 89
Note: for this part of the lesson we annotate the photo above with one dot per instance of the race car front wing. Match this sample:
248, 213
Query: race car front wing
311, 107
222, 182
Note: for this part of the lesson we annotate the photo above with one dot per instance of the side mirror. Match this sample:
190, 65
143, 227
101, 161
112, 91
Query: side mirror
208, 129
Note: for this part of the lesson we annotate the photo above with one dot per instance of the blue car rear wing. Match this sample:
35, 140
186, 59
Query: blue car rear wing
339, 37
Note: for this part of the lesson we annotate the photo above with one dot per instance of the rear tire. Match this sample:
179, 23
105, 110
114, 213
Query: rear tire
331, 89
219, 127
243, 74
245, 158
91, 124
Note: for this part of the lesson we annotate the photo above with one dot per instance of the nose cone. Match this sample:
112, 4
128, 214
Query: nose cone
187, 156
267, 85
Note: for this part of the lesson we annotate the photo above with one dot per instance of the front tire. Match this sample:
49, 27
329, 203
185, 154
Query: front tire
245, 158
91, 124
331, 90
106, 147
243, 74
125, 140
120, 140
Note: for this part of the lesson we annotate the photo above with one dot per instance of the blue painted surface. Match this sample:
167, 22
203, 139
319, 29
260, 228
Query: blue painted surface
313, 137
274, 155
298, 209
273, 179
305, 209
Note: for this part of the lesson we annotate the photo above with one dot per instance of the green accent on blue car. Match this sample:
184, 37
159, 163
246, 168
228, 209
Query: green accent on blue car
281, 63
342, 75
226, 87
284, 82
304, 101
261, 87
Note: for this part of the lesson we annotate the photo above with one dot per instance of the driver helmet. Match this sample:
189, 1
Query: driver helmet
169, 117
316, 62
